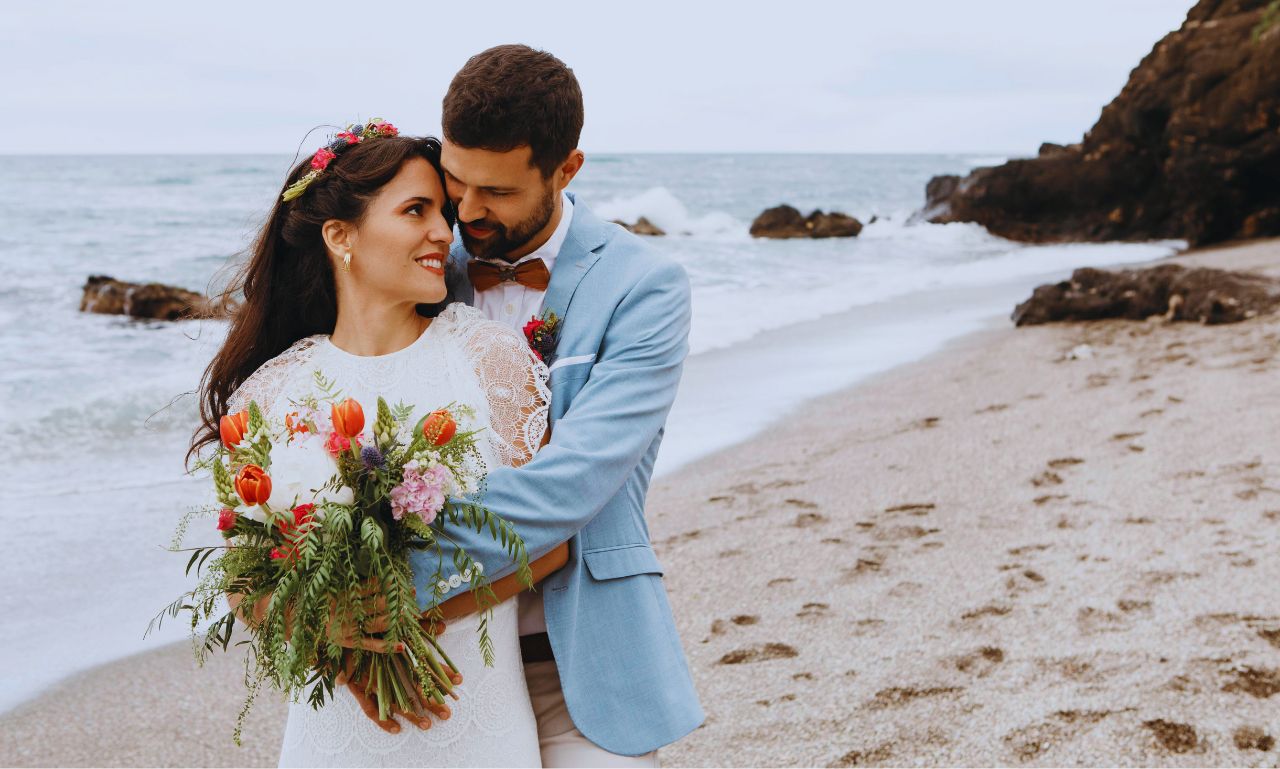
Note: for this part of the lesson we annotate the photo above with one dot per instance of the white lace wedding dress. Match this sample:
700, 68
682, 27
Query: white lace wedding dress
461, 358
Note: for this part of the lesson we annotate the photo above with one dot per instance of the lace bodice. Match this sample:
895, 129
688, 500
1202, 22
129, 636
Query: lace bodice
461, 358
465, 359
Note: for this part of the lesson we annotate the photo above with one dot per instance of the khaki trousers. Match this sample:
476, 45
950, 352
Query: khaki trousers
561, 742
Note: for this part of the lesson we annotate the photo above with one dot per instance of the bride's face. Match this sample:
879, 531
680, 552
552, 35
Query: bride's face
400, 247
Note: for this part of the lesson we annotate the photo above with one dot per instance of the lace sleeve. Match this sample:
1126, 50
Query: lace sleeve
514, 383
267, 384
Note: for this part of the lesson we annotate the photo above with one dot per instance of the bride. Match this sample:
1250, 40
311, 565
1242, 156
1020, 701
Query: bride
357, 241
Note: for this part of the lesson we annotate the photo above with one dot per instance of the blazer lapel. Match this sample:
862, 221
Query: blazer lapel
580, 251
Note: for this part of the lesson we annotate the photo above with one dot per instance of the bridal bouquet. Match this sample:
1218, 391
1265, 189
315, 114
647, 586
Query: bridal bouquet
318, 518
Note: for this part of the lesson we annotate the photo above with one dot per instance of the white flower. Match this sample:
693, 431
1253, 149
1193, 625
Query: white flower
252, 512
299, 469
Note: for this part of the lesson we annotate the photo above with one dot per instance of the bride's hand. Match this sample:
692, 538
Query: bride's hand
369, 704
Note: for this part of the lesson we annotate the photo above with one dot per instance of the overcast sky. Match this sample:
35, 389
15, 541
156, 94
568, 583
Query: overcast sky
689, 76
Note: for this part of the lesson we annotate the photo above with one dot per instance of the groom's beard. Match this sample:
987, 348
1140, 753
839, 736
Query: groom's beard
504, 241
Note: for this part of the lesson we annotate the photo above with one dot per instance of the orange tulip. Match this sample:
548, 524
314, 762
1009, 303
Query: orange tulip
439, 427
232, 428
348, 418
253, 485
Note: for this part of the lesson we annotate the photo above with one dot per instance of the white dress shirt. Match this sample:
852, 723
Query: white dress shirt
514, 305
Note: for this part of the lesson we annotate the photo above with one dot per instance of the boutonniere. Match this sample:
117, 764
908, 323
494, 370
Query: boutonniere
543, 334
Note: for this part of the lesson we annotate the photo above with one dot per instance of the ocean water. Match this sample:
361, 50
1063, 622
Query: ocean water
97, 410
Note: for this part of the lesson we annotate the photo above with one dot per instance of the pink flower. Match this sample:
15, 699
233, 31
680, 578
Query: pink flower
421, 492
337, 443
348, 137
320, 160
226, 519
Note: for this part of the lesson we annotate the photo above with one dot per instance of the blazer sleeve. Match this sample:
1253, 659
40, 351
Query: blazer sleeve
599, 440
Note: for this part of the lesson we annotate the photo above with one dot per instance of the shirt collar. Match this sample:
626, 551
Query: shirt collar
548, 251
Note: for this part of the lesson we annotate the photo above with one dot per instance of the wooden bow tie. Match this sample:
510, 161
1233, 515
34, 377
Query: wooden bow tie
531, 274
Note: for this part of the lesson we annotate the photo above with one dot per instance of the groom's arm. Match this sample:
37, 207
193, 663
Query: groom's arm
600, 439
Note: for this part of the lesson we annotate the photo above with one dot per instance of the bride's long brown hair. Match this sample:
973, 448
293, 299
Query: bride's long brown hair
287, 281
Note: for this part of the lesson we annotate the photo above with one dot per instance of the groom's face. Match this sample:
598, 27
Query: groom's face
505, 205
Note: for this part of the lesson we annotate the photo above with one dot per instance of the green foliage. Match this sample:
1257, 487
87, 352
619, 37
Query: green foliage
1270, 18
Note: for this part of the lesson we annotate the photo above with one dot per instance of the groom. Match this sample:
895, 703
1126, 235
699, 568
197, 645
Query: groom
604, 664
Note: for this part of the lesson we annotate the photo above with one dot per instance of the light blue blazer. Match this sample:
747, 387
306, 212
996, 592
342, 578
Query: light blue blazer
623, 340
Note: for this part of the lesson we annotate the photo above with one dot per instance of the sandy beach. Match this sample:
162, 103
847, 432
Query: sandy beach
1043, 546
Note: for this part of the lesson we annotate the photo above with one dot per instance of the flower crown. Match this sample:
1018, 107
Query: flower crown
376, 128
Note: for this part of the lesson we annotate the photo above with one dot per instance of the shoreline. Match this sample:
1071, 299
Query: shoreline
816, 499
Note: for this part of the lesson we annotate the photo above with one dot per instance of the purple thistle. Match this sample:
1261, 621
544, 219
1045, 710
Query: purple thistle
372, 458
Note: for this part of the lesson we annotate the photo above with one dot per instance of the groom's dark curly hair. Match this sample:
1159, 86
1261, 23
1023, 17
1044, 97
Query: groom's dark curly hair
510, 96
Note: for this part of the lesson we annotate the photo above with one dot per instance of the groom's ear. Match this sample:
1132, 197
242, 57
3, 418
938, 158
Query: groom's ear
569, 168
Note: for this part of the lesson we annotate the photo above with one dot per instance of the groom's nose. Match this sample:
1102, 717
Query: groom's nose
468, 209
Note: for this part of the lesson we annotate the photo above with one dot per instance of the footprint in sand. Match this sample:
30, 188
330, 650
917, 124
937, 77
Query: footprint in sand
898, 533
866, 625
759, 653
807, 520
814, 610
979, 662
1173, 736
991, 610
926, 423
897, 696
784, 483
1047, 498
1131, 605
1024, 549
1256, 682
1058, 464
1252, 738
783, 698
1092, 620
912, 508
1047, 478
863, 567
1035, 739
905, 590
876, 756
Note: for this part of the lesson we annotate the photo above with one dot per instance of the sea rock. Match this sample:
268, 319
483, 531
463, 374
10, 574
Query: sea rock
787, 222
1201, 294
1189, 149
642, 227
108, 296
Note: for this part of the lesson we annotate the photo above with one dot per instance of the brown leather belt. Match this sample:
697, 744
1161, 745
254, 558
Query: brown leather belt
536, 648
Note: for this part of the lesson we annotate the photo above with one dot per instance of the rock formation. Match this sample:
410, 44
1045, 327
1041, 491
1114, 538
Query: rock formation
1199, 294
108, 296
1189, 149
642, 227
786, 222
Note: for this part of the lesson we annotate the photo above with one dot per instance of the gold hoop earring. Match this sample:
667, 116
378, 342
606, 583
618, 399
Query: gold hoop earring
346, 262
